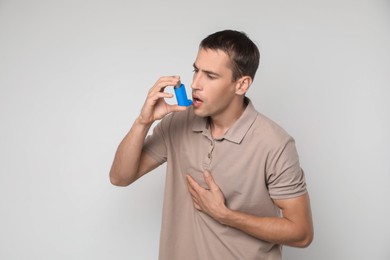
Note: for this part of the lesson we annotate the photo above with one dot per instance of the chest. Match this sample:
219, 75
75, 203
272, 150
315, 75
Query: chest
238, 169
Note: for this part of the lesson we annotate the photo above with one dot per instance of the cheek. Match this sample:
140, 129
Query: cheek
221, 91
214, 99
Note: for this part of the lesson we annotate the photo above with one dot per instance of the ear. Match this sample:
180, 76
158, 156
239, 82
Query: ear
243, 85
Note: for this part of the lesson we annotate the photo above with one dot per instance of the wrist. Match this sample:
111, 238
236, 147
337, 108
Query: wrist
144, 122
225, 216
141, 125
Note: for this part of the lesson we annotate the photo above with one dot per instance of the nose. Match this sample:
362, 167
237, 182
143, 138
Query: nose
195, 85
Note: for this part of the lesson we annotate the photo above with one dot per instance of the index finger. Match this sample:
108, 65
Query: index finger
192, 183
164, 82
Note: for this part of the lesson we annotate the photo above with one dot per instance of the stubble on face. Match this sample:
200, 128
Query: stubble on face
212, 87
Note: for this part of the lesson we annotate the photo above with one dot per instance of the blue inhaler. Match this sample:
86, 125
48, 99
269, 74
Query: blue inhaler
181, 96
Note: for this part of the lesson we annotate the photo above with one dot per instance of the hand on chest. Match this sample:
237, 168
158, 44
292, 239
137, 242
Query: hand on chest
234, 167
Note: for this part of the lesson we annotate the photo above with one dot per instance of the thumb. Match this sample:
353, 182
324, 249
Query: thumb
176, 108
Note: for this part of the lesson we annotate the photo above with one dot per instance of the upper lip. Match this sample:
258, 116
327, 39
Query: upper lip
194, 96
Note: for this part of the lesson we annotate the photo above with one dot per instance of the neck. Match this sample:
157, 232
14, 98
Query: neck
221, 124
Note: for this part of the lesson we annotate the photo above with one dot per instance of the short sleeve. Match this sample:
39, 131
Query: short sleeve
155, 144
285, 178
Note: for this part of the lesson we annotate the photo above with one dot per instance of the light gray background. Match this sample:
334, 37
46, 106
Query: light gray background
74, 75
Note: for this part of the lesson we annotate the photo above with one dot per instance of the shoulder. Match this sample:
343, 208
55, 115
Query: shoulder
270, 132
261, 126
269, 127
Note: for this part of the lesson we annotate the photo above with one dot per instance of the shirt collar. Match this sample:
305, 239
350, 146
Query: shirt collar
238, 130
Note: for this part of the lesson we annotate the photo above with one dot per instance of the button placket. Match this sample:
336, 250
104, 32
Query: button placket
209, 155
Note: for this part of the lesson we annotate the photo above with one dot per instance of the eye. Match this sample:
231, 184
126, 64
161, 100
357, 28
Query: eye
211, 76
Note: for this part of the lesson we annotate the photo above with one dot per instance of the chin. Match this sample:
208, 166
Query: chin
200, 113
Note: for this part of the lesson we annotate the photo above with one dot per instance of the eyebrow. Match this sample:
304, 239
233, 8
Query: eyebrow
206, 71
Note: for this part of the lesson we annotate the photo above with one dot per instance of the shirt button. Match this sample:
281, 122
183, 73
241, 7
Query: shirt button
209, 155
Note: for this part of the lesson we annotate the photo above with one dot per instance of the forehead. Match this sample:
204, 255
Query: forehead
208, 59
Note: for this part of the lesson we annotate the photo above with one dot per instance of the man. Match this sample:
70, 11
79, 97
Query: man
234, 185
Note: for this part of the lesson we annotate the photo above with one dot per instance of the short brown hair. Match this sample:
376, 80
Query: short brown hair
243, 52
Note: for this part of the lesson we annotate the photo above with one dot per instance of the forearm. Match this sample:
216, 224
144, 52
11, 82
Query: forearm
295, 228
272, 229
129, 162
125, 167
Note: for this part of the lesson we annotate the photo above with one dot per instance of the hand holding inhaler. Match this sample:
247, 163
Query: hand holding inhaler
181, 96
155, 106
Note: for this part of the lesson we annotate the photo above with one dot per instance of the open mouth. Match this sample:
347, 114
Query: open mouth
196, 100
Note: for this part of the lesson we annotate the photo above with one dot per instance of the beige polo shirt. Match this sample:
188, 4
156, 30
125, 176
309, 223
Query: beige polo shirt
256, 161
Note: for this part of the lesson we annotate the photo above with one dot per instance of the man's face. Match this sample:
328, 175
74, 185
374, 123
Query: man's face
212, 85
